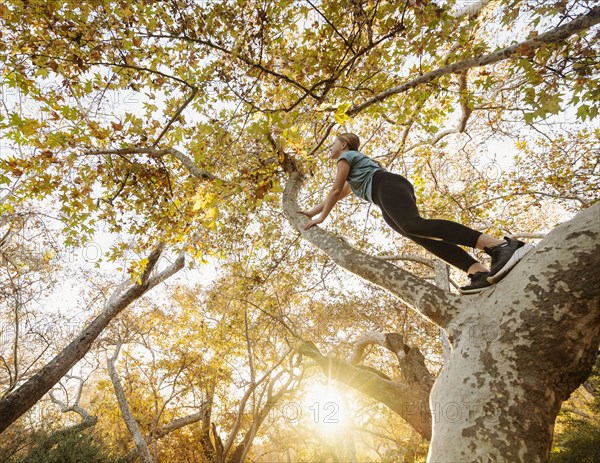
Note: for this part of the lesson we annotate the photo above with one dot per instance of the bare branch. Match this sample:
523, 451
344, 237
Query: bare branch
462, 123
348, 44
527, 235
227, 446
576, 411
410, 257
70, 408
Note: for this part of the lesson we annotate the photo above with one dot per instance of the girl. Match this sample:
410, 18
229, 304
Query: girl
395, 196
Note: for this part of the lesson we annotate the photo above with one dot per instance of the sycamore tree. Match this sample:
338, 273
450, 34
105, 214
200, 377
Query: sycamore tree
195, 127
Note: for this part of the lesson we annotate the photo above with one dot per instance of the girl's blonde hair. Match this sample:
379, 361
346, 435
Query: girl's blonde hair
351, 139
353, 143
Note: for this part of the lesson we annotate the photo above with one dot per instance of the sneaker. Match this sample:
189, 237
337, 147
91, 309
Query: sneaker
479, 282
505, 257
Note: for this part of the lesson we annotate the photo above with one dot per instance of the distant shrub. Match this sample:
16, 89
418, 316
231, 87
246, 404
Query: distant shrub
73, 447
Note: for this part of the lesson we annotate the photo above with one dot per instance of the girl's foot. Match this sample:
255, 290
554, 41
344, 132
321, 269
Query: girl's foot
478, 283
505, 257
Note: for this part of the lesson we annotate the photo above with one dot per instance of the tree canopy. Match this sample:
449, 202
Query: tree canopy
227, 84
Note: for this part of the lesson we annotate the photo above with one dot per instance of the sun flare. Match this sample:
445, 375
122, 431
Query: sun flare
327, 410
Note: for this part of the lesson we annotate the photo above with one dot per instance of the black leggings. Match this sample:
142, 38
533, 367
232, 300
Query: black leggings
395, 196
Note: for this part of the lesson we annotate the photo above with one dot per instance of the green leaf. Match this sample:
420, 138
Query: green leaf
582, 112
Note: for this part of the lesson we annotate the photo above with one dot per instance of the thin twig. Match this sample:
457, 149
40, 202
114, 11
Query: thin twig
174, 118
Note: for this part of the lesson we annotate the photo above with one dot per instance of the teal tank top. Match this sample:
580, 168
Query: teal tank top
361, 173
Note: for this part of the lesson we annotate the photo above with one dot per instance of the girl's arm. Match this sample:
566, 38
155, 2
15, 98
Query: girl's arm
317, 210
339, 189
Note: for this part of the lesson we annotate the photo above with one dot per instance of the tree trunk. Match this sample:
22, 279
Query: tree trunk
518, 349
130, 422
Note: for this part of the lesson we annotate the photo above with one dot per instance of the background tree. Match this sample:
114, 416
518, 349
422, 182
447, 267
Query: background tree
578, 430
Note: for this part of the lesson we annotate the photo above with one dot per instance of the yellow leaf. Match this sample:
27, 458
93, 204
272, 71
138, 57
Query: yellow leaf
212, 213
340, 113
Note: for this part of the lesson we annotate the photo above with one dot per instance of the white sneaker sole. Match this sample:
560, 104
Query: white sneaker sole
514, 259
473, 291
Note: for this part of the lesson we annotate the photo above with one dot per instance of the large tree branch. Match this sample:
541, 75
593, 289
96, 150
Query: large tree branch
188, 163
436, 305
555, 35
23, 398
409, 400
410, 359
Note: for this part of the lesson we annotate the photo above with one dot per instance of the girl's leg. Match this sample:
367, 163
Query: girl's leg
395, 196
448, 252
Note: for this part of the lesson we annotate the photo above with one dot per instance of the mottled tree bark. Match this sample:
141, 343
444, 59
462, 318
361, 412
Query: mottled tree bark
519, 350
